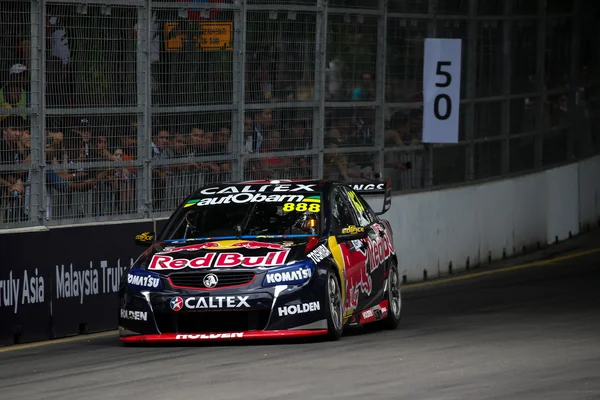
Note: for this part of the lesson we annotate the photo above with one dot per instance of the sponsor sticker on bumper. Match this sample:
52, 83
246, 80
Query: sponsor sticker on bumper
213, 303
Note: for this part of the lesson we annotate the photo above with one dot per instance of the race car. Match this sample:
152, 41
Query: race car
265, 259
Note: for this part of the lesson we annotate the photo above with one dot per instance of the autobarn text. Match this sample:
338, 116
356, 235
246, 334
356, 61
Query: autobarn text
242, 198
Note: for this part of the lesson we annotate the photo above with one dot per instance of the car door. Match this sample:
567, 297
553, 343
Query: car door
348, 254
372, 247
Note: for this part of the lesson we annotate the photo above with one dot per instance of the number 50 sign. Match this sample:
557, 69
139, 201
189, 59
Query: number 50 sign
441, 90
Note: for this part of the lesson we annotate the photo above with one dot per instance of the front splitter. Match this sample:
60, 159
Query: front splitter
222, 336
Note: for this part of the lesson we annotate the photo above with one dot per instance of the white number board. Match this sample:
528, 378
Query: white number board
441, 90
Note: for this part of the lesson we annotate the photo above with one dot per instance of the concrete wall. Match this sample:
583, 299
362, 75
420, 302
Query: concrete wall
470, 224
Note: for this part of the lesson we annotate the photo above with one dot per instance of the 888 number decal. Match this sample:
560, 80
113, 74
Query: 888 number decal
302, 207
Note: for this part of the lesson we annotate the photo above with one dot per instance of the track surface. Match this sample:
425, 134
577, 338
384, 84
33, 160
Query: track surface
526, 334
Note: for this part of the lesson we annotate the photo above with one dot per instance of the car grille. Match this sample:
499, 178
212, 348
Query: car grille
213, 321
195, 279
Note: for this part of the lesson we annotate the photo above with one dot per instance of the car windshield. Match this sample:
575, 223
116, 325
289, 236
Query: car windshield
296, 214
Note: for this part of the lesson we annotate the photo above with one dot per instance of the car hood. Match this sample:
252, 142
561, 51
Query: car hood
249, 254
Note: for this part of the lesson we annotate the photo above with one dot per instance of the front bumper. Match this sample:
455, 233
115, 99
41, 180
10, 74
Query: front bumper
248, 312
222, 336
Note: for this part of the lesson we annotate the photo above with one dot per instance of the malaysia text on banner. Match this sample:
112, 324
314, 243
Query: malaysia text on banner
441, 90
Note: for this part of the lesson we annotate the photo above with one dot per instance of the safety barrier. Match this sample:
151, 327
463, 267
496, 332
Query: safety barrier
454, 229
64, 281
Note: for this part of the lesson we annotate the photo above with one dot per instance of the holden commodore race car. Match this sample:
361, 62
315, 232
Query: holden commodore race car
265, 259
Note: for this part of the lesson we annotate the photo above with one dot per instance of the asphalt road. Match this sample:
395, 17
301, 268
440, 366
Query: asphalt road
526, 334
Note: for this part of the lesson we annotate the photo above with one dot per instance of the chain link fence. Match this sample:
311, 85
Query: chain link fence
117, 110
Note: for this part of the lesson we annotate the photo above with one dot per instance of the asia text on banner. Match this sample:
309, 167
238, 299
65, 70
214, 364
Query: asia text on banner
441, 90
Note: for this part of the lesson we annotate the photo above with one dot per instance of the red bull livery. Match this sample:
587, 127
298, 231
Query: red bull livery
265, 259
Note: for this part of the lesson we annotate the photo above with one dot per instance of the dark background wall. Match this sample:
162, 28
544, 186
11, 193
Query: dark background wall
64, 281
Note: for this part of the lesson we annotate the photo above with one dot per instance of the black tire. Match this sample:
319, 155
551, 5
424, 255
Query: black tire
393, 295
335, 307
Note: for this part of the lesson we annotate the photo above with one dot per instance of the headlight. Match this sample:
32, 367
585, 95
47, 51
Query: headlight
295, 274
139, 279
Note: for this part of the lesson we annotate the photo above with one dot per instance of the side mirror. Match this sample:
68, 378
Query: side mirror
352, 233
144, 239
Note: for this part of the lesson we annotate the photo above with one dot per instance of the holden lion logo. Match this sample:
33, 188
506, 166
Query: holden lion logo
210, 280
176, 303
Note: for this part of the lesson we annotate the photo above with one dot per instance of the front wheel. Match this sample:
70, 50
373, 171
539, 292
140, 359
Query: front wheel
334, 307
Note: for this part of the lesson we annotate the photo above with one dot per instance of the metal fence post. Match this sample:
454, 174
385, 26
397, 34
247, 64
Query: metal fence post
144, 130
37, 160
506, 84
238, 95
471, 91
575, 140
432, 32
380, 75
318, 131
541, 84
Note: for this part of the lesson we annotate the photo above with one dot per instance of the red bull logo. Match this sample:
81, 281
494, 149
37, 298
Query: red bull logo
219, 260
227, 245
192, 248
260, 245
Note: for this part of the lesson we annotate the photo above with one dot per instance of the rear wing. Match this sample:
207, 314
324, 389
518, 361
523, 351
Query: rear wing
372, 188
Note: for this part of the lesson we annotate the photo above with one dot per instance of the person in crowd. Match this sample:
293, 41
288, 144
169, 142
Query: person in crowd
299, 138
365, 88
224, 145
123, 182
180, 153
263, 124
337, 167
248, 135
201, 145
82, 130
13, 152
11, 182
160, 153
14, 93
100, 151
274, 167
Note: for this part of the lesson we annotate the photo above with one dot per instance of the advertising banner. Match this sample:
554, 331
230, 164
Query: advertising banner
25, 288
63, 281
86, 274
